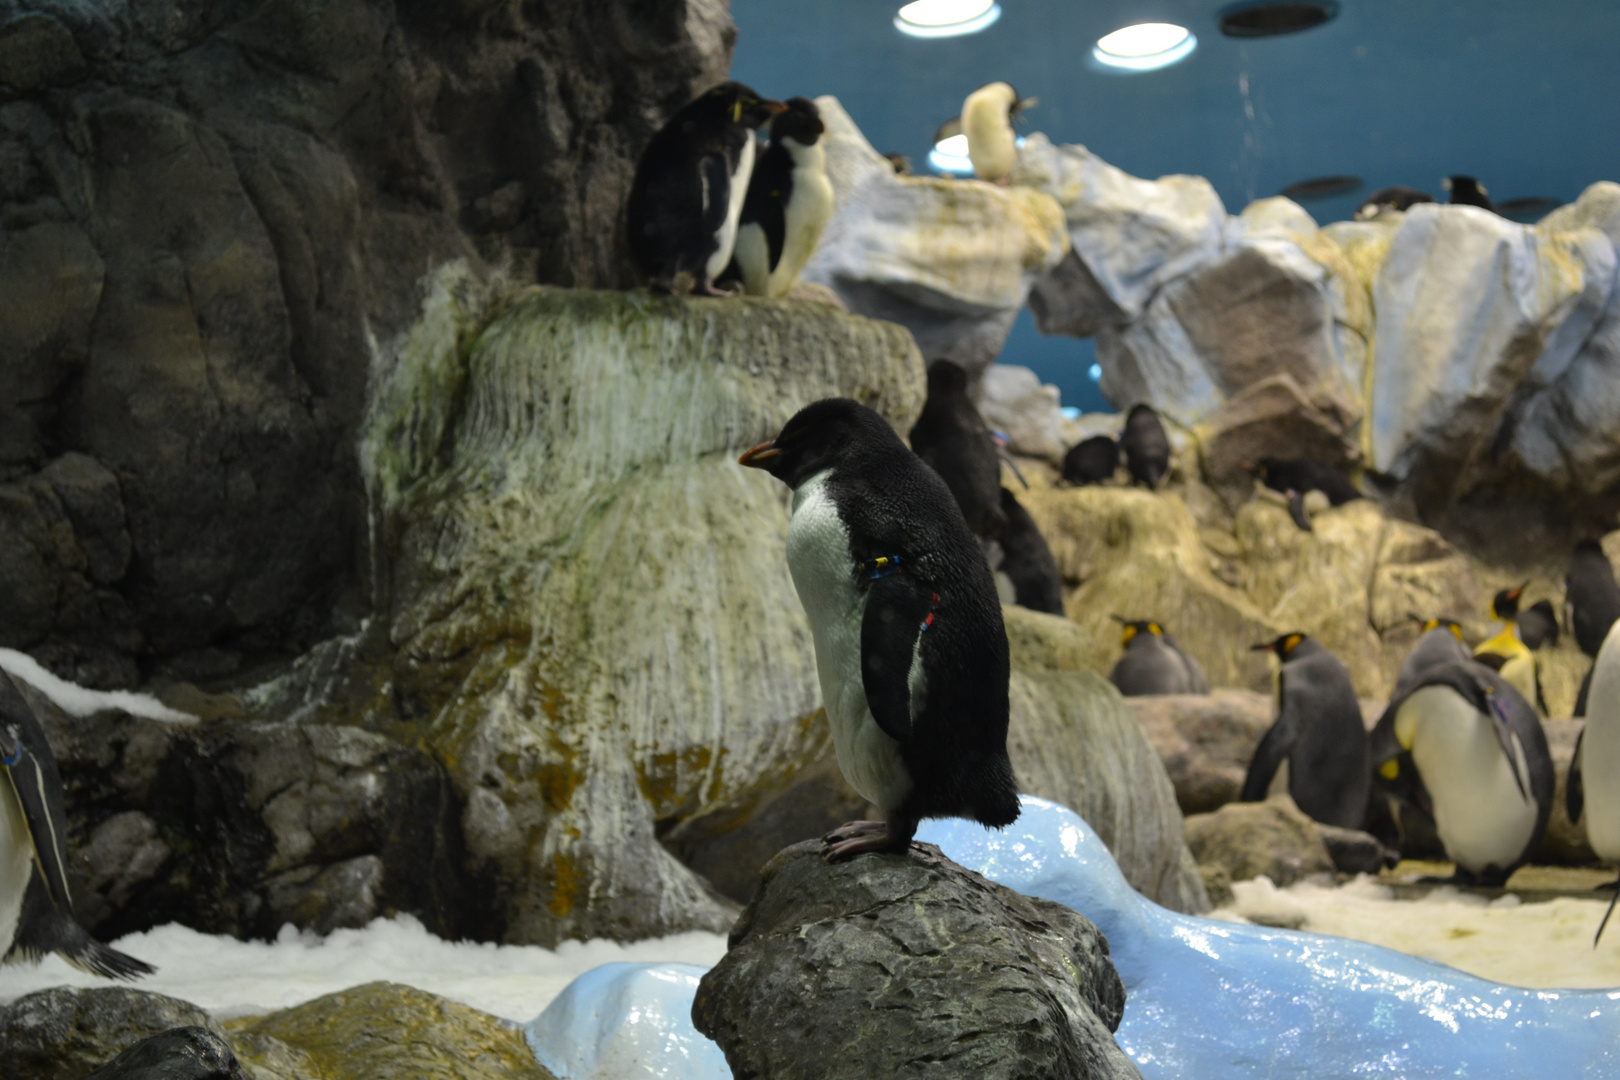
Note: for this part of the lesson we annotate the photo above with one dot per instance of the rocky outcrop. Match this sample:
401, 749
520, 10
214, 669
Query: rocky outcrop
1247, 840
211, 219
63, 1033
950, 260
1205, 741
907, 965
1015, 402
188, 1053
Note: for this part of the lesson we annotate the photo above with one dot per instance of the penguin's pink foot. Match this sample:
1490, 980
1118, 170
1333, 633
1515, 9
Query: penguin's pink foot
711, 289
856, 837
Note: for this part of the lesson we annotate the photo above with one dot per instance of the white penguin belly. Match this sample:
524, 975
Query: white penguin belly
1479, 813
819, 559
753, 253
808, 210
727, 235
1600, 752
992, 146
16, 861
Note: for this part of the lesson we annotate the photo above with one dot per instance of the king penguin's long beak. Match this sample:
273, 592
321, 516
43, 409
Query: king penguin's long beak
759, 455
1264, 646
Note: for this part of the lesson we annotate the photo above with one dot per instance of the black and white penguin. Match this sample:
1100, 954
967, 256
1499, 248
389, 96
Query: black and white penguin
1147, 448
1395, 197
1467, 191
987, 121
789, 203
1027, 560
1318, 731
1298, 477
1592, 603
952, 438
910, 645
1091, 461
1509, 655
1466, 748
1597, 755
689, 188
1538, 625
1440, 643
1154, 663
36, 910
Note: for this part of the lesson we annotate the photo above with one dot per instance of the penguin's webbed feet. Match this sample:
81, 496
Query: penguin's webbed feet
856, 837
709, 288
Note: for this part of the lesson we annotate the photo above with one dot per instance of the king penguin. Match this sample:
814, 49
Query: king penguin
689, 188
1147, 449
1439, 644
1154, 663
1318, 731
1597, 755
789, 203
36, 910
1507, 653
953, 440
1592, 602
1466, 748
987, 121
910, 647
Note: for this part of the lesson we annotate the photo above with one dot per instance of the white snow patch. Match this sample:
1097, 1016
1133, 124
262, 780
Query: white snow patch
78, 700
230, 978
1539, 944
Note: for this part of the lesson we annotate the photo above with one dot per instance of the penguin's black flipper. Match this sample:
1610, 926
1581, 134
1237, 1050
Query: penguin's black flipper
899, 609
1296, 510
1271, 753
716, 174
31, 770
1586, 688
1574, 792
44, 928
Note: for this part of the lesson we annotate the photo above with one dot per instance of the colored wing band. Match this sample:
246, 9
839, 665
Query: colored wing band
933, 605
16, 756
883, 566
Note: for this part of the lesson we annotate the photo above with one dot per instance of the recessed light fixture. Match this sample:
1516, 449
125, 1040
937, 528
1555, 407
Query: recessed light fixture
1095, 372
950, 155
946, 18
1271, 19
1145, 46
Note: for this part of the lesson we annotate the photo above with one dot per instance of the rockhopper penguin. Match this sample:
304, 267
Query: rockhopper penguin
1296, 478
1466, 748
1027, 560
910, 646
951, 437
789, 203
36, 911
1154, 663
1091, 461
689, 187
1593, 784
1147, 449
1318, 731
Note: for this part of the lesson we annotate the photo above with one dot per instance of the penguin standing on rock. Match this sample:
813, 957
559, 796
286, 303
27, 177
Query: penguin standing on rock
1466, 191
987, 122
1592, 600
1091, 461
1597, 756
689, 187
36, 910
1466, 748
1027, 560
1298, 478
951, 437
1318, 731
789, 203
1147, 448
1154, 663
910, 646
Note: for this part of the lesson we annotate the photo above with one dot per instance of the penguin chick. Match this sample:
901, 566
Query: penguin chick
1298, 477
1466, 191
1028, 561
910, 646
1154, 663
788, 205
951, 437
1466, 748
1440, 643
1091, 461
36, 910
689, 188
987, 121
1147, 449
1597, 754
1538, 625
1507, 654
1318, 731
1395, 197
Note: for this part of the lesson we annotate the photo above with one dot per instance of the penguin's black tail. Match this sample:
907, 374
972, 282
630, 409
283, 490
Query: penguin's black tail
44, 928
996, 803
99, 959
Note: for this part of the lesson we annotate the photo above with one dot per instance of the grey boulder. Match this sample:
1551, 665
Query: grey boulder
63, 1033
188, 1053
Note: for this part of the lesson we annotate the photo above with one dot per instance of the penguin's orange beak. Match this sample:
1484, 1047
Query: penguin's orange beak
1516, 593
759, 455
1264, 646
776, 108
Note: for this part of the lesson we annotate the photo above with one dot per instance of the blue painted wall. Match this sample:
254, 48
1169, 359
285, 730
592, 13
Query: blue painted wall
1525, 95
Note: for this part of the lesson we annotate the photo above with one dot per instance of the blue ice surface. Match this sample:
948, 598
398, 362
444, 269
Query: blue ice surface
1205, 1000
626, 1022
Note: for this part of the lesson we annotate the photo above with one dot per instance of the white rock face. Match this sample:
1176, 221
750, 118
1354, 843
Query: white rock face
1014, 401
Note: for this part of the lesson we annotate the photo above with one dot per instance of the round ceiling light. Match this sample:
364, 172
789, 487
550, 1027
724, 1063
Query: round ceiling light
1270, 19
951, 156
1145, 46
946, 18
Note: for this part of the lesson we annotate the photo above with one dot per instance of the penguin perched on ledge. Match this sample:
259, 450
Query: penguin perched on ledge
788, 205
36, 910
952, 439
1297, 478
1154, 662
910, 646
987, 122
1146, 446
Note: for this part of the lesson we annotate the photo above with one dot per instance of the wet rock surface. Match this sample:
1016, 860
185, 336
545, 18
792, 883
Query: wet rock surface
63, 1034
1247, 840
906, 966
188, 1053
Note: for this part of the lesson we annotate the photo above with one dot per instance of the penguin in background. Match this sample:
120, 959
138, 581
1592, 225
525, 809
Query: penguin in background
1538, 625
1509, 655
1027, 560
1091, 461
1147, 448
1467, 191
1597, 754
689, 188
36, 909
910, 647
1154, 662
1318, 731
1592, 604
953, 440
987, 121
1297, 478
1440, 643
1395, 197
789, 203
1465, 748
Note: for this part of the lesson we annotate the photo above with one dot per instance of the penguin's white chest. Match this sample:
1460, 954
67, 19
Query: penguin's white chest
16, 860
992, 146
809, 207
1600, 752
1481, 817
727, 236
818, 553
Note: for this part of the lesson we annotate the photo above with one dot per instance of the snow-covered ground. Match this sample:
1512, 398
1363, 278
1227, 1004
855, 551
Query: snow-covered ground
237, 978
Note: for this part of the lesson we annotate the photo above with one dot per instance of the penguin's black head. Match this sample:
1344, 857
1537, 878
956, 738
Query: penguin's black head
732, 102
1131, 629
817, 437
1283, 646
1505, 604
801, 122
946, 379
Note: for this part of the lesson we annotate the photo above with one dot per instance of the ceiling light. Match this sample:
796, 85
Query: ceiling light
951, 155
946, 18
1145, 46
